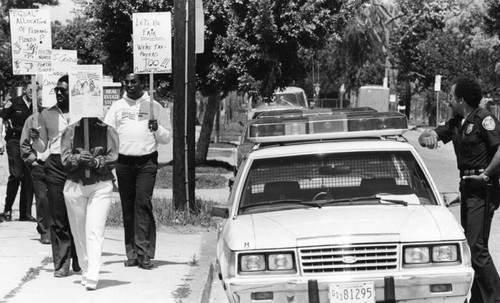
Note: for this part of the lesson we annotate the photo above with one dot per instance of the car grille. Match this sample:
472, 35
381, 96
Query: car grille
349, 258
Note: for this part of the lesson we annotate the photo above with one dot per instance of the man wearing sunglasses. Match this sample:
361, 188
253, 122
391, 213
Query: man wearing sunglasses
139, 135
52, 123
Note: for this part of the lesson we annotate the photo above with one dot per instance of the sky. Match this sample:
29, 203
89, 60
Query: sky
62, 12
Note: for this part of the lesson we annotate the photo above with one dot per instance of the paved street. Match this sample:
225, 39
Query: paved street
441, 164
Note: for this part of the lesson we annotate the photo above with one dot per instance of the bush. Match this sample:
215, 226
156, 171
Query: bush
166, 216
205, 178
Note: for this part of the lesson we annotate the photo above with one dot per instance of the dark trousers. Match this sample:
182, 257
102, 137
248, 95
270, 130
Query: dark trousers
42, 206
19, 174
63, 246
476, 221
136, 180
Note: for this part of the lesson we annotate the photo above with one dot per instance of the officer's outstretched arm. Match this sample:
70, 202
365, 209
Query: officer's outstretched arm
429, 139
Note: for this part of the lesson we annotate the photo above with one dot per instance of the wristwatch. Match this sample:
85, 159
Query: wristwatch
485, 177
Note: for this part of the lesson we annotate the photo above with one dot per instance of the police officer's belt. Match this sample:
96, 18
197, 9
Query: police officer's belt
471, 172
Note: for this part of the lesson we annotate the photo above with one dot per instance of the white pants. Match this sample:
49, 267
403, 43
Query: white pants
88, 207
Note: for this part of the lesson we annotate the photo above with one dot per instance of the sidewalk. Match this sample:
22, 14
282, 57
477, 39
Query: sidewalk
183, 269
182, 273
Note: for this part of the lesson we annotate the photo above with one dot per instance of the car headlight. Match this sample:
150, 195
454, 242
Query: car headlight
439, 253
280, 261
253, 263
271, 262
417, 255
445, 253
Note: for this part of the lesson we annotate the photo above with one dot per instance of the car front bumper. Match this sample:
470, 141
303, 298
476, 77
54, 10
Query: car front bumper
393, 287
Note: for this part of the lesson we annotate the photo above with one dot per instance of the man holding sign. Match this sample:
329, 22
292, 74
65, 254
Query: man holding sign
52, 123
139, 134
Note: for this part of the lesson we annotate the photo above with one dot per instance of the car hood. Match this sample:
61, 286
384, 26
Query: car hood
342, 225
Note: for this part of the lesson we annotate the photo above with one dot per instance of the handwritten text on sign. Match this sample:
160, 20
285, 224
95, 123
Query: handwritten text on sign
31, 41
152, 43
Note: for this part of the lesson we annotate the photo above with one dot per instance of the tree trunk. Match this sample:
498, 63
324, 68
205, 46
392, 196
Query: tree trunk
211, 109
407, 98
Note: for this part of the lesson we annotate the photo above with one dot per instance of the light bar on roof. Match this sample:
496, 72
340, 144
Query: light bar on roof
333, 125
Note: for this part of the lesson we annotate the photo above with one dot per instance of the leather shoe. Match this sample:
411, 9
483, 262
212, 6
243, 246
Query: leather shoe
131, 262
62, 272
7, 215
45, 238
29, 218
145, 262
75, 265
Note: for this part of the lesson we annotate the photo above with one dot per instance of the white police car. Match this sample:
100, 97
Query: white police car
337, 208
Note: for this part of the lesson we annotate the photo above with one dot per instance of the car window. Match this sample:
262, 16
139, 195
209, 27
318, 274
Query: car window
290, 99
337, 176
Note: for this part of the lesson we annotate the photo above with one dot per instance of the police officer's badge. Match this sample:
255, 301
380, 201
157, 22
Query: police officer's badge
8, 104
469, 129
489, 123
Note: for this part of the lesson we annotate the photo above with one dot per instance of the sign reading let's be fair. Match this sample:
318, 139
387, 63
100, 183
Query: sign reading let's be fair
152, 43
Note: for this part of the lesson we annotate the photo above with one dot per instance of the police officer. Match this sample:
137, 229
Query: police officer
475, 133
14, 114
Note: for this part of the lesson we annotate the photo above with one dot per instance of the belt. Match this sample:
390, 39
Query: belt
471, 172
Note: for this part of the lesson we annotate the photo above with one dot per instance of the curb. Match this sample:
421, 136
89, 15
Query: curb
207, 288
206, 268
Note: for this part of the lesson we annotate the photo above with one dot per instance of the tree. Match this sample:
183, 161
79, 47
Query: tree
211, 77
82, 35
265, 39
492, 17
113, 20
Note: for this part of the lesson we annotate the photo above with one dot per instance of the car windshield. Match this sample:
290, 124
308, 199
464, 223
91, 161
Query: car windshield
290, 99
335, 179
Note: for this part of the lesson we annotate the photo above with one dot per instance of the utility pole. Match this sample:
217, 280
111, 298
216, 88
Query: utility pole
184, 105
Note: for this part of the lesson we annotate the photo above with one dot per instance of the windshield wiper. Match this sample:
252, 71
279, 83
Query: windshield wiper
278, 202
377, 198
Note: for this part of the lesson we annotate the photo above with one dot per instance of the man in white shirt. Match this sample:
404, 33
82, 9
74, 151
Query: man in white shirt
139, 135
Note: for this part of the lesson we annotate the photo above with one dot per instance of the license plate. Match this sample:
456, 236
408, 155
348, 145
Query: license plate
358, 292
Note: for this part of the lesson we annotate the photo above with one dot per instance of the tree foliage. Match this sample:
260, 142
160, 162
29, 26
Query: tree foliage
113, 21
264, 40
492, 17
82, 35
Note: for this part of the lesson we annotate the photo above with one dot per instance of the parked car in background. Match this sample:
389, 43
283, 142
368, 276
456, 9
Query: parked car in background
289, 97
338, 207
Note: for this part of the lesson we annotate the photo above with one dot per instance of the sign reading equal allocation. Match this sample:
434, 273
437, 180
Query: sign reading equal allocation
31, 41
152, 36
85, 92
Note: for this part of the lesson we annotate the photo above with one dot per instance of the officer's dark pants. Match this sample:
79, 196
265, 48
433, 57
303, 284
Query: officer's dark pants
477, 225
42, 207
136, 179
19, 174
63, 247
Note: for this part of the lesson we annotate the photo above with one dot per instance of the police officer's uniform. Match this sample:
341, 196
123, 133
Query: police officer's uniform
476, 140
14, 114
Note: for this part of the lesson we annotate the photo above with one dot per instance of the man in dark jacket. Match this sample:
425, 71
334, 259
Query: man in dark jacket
14, 114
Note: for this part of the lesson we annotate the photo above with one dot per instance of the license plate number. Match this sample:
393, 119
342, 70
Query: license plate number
359, 292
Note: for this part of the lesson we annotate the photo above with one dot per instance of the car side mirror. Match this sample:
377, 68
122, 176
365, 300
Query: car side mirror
222, 212
451, 199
